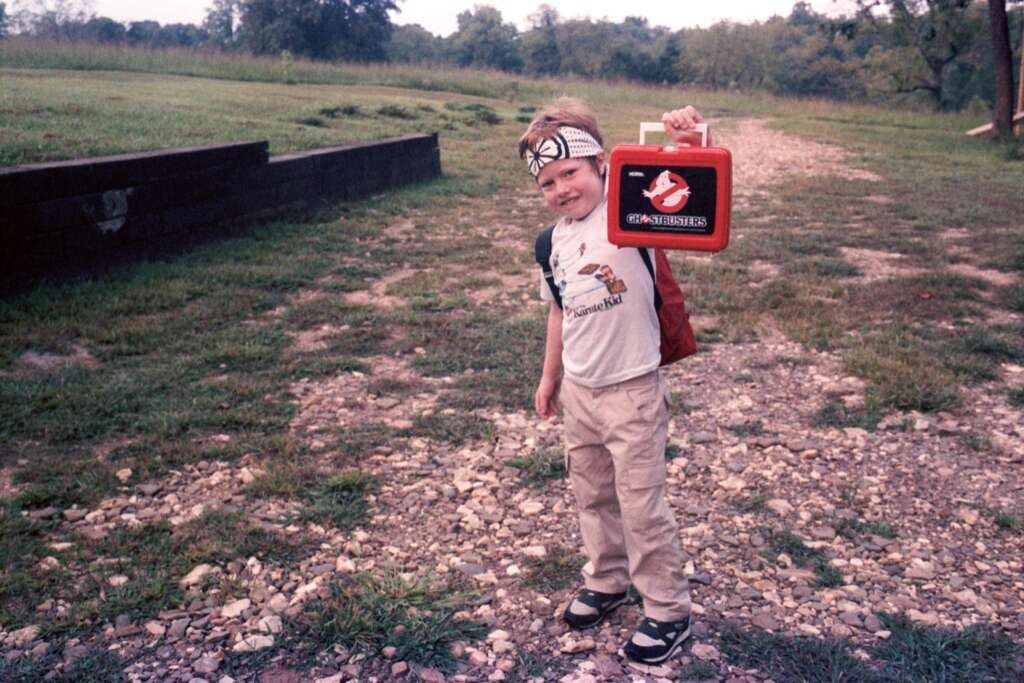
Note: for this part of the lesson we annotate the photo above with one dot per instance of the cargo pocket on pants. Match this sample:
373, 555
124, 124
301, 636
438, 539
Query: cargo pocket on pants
646, 476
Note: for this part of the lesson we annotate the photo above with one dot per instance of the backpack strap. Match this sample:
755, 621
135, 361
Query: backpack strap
542, 253
650, 269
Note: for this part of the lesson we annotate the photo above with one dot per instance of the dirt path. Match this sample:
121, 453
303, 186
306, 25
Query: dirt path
900, 514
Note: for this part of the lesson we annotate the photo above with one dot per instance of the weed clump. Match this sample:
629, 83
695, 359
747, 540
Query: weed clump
347, 110
396, 112
837, 415
418, 618
453, 429
341, 500
1016, 397
787, 542
540, 467
557, 570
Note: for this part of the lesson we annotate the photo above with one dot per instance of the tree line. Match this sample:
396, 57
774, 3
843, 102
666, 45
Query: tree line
938, 53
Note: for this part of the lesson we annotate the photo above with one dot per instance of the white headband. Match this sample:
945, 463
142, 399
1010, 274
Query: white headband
567, 143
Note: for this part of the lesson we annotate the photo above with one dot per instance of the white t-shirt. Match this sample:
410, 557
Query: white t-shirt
610, 330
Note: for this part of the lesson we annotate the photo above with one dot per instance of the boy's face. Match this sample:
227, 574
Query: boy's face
572, 187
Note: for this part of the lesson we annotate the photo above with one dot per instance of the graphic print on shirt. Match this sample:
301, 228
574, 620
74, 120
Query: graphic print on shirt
588, 278
606, 276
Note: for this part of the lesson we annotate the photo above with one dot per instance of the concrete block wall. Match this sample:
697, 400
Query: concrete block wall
65, 220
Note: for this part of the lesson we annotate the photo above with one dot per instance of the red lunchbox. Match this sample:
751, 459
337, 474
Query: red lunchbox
668, 196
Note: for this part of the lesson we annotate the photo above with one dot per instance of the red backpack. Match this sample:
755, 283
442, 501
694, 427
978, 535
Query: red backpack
677, 339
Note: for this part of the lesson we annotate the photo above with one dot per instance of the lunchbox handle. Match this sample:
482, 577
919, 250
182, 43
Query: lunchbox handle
658, 127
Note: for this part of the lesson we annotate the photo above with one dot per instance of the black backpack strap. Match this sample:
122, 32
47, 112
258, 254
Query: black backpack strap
542, 252
650, 269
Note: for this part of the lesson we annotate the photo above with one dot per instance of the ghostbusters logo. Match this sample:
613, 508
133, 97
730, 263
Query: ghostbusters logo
668, 192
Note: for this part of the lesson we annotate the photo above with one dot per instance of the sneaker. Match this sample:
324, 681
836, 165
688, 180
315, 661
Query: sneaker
590, 607
656, 641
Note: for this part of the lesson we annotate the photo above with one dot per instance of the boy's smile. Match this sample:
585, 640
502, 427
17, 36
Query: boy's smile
572, 187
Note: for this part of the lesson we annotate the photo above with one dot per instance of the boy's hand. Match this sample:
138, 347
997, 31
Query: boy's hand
545, 400
679, 125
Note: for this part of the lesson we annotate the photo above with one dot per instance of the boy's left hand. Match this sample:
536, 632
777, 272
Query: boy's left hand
679, 125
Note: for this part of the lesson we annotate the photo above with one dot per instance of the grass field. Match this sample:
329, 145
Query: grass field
193, 359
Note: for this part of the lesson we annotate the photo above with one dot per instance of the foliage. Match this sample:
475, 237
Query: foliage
354, 30
223, 19
483, 40
925, 52
411, 44
924, 40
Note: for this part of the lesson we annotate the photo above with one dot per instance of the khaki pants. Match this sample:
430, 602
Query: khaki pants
615, 454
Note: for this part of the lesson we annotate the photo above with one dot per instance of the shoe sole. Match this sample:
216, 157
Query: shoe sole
676, 646
611, 607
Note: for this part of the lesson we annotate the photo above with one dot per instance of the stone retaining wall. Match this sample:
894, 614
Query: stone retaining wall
69, 219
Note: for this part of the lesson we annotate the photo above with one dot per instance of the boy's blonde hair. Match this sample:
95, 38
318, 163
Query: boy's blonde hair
563, 111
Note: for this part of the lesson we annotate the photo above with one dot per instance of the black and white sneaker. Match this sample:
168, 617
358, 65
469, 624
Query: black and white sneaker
656, 641
590, 607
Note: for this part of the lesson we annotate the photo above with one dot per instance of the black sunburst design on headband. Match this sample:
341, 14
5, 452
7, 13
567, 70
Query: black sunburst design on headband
552, 149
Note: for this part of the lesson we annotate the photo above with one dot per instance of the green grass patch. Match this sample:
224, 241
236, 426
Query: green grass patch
835, 268
341, 500
912, 654
97, 665
396, 112
1007, 521
357, 441
557, 570
784, 658
1013, 298
64, 483
905, 372
1015, 397
747, 428
919, 654
453, 429
753, 505
22, 545
698, 670
827, 576
502, 355
540, 467
368, 613
837, 415
976, 442
344, 110
852, 528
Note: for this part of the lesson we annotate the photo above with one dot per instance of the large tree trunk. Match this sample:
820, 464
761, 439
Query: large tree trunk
1002, 57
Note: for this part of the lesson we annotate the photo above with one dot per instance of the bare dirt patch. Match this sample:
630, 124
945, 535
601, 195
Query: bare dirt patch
878, 265
375, 295
309, 341
50, 362
994, 277
344, 400
8, 489
762, 156
762, 271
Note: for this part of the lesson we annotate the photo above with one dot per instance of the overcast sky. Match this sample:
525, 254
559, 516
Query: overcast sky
438, 16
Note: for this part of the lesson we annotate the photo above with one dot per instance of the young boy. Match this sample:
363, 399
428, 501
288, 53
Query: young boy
601, 362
